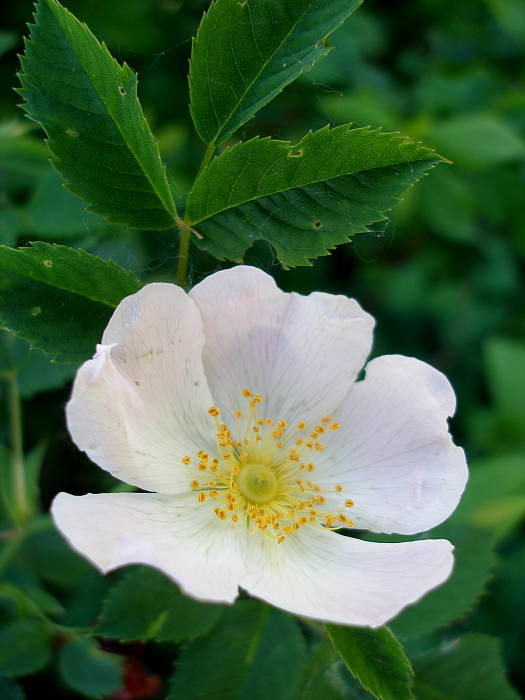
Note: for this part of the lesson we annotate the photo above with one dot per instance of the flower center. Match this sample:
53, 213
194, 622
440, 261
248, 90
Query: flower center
257, 483
258, 476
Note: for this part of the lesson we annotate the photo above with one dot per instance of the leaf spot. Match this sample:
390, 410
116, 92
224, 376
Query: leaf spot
72, 133
36, 311
47, 263
137, 383
121, 90
295, 153
242, 3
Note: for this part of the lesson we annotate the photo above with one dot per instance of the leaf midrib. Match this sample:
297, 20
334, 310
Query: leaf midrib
166, 207
263, 67
194, 222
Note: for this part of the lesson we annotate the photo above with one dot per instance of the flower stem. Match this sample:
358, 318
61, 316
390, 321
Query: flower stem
185, 229
184, 250
20, 502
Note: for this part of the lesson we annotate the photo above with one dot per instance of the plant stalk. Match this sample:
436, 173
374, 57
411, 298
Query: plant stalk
185, 229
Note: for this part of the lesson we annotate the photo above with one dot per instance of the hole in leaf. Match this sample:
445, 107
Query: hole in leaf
47, 263
317, 224
121, 90
295, 153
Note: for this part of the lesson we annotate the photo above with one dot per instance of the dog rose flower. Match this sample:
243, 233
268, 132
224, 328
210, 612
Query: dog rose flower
236, 407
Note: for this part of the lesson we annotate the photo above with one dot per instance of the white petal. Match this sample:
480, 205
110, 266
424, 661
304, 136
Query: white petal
170, 533
141, 404
329, 577
394, 455
300, 353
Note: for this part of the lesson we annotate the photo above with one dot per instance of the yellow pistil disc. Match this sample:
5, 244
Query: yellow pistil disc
257, 483
254, 476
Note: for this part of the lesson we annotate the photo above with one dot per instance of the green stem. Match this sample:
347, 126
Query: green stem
185, 229
207, 157
18, 497
17, 449
184, 251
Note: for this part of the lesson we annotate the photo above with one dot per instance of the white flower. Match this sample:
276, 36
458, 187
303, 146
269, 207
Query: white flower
238, 406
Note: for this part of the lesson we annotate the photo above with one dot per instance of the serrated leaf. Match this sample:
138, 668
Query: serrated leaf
303, 199
25, 647
246, 52
60, 298
376, 659
98, 137
88, 670
147, 605
474, 559
255, 653
469, 668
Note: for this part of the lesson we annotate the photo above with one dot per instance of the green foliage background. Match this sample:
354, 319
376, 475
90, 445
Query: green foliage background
444, 279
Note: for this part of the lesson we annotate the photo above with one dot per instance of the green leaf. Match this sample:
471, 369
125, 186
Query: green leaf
505, 362
11, 690
88, 670
246, 52
56, 214
7, 41
474, 560
469, 668
54, 561
25, 647
21, 154
34, 369
147, 605
255, 653
376, 659
306, 198
59, 298
325, 676
98, 137
477, 141
495, 497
